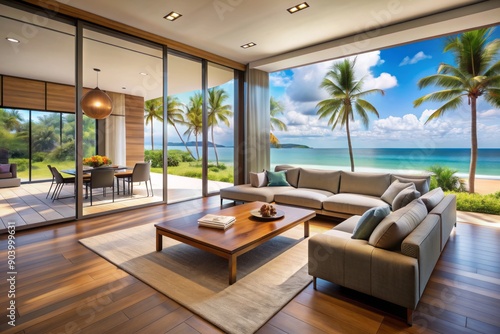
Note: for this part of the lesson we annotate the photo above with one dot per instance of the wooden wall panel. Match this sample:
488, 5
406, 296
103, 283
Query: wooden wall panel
23, 93
60, 97
134, 124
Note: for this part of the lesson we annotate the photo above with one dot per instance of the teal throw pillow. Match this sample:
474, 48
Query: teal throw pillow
368, 221
277, 179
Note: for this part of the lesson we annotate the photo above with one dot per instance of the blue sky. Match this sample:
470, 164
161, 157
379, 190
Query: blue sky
396, 71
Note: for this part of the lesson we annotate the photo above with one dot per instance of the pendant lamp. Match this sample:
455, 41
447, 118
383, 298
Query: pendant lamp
96, 103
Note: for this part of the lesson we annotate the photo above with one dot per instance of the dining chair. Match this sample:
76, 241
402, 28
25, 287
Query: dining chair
60, 182
53, 180
140, 173
102, 178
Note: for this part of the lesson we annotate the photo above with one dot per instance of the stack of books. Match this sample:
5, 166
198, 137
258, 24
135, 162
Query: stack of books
216, 221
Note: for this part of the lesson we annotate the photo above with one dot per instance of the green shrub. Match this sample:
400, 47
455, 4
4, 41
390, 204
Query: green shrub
39, 156
172, 161
478, 203
65, 152
181, 155
22, 164
156, 157
445, 178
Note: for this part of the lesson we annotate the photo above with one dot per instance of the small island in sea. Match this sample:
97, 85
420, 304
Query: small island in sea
289, 146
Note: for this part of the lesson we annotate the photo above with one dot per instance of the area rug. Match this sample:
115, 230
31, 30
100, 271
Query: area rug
268, 277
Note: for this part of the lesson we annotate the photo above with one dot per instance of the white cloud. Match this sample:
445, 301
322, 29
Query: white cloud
489, 113
279, 79
415, 59
295, 118
425, 115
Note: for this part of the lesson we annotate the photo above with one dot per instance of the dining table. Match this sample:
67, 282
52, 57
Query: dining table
87, 170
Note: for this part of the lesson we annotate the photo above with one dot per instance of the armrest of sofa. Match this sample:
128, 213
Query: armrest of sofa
447, 212
423, 244
13, 170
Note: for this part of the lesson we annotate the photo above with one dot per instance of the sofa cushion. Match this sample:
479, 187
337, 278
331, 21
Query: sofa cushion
432, 198
258, 179
4, 168
247, 193
292, 174
372, 184
353, 204
394, 228
305, 197
394, 189
348, 225
421, 181
369, 221
276, 179
405, 197
319, 179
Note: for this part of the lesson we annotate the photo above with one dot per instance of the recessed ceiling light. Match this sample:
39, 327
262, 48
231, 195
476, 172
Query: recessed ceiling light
297, 8
248, 45
172, 16
13, 40
143, 73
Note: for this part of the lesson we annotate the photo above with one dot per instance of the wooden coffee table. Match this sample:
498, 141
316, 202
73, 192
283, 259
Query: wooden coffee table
245, 234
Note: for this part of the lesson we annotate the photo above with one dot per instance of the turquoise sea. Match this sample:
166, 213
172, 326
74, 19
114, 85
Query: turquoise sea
381, 159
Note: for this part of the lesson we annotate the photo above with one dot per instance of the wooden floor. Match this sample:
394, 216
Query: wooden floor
62, 287
27, 205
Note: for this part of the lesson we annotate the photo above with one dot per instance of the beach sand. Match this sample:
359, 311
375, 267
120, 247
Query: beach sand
486, 186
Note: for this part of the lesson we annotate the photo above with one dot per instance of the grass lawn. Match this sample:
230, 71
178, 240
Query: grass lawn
39, 170
193, 169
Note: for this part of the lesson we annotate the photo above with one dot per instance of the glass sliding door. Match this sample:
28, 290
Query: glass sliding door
220, 110
185, 128
130, 72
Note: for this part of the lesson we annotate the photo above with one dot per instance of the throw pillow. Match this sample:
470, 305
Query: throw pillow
432, 198
405, 197
422, 184
277, 179
292, 174
258, 179
4, 168
369, 221
394, 228
394, 189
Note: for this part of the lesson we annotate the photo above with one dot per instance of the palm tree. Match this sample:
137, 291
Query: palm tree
12, 120
276, 109
346, 99
153, 110
477, 73
194, 118
175, 115
217, 112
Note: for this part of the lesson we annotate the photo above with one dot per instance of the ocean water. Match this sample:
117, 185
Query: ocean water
381, 159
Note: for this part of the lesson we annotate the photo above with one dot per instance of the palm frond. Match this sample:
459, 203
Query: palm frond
439, 96
451, 104
492, 96
443, 80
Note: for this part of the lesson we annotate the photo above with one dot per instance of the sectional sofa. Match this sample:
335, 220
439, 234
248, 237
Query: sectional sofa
394, 259
329, 192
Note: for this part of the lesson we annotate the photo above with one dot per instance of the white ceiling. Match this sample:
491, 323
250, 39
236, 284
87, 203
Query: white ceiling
222, 26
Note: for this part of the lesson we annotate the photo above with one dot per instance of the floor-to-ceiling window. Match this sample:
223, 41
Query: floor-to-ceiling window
185, 127
130, 71
221, 127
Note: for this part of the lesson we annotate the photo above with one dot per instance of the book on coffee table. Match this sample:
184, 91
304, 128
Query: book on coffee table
216, 221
